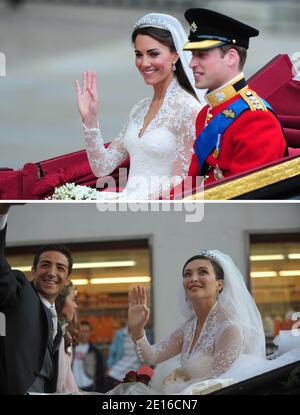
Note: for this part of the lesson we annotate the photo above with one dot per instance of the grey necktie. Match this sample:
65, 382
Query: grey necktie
54, 319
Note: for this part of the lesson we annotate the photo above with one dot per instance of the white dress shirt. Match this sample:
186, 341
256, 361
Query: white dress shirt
52, 309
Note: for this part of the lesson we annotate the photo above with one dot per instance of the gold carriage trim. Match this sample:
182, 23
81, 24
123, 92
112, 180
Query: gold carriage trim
251, 182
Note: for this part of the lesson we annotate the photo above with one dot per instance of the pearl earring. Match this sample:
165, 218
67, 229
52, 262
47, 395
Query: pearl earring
174, 67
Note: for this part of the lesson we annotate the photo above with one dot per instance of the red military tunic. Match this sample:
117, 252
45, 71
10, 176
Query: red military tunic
253, 139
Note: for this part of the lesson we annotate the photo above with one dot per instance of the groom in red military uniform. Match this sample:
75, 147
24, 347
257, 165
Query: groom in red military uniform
237, 130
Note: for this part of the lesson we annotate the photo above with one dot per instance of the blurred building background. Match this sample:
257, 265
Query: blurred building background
151, 247
48, 44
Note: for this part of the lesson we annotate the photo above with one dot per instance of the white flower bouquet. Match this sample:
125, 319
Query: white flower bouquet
72, 191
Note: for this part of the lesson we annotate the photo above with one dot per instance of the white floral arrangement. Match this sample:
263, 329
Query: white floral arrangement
72, 191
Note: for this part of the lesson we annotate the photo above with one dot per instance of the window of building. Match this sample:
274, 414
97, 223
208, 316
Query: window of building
275, 280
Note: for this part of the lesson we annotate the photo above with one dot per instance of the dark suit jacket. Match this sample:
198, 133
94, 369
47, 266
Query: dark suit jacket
28, 326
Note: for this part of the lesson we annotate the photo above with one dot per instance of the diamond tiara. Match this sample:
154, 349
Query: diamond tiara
150, 21
209, 254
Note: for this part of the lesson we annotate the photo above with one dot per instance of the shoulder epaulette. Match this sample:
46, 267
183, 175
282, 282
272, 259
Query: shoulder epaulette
253, 100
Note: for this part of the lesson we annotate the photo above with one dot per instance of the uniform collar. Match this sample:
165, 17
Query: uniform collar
226, 91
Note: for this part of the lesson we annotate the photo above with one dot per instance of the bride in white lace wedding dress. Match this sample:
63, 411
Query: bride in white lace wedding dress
221, 342
160, 132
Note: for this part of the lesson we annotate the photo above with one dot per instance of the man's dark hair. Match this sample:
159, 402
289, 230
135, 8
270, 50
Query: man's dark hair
242, 52
54, 247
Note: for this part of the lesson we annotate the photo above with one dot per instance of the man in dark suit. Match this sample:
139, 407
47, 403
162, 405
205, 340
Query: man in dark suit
29, 350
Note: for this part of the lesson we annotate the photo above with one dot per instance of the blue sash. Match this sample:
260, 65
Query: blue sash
210, 137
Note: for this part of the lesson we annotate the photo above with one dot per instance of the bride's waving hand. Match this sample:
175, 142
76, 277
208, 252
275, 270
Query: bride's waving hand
87, 99
138, 312
102, 160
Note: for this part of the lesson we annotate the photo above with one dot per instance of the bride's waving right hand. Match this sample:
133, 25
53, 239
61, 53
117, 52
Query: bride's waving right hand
138, 312
87, 99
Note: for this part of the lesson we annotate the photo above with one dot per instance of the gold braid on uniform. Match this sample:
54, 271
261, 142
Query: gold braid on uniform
253, 100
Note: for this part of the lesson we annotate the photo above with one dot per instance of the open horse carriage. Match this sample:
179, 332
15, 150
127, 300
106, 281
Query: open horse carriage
276, 180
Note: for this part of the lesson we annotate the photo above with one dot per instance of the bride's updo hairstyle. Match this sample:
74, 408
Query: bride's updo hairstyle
164, 37
217, 268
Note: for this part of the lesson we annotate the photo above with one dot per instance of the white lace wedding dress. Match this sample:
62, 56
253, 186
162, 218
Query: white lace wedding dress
216, 358
158, 158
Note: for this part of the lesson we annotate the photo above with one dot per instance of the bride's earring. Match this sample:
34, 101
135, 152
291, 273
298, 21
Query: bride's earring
217, 295
174, 67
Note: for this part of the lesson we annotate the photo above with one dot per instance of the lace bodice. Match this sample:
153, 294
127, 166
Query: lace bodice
217, 347
164, 149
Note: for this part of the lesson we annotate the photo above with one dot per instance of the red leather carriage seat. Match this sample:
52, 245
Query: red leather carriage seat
55, 172
10, 184
275, 83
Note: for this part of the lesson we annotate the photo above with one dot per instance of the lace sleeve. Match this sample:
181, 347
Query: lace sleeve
104, 160
185, 137
157, 353
227, 349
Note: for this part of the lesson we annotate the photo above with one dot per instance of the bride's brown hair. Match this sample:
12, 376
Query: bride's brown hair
164, 37
217, 268
72, 330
